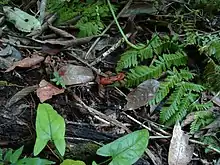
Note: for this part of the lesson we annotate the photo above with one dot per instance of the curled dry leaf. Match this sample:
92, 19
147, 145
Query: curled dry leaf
20, 95
180, 152
26, 62
142, 94
47, 91
73, 74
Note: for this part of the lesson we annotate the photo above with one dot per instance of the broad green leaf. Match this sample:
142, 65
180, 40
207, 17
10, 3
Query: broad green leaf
15, 156
34, 161
72, 162
8, 154
127, 149
22, 20
49, 126
1, 154
94, 163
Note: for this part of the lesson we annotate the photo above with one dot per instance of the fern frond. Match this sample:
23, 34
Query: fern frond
181, 111
142, 73
127, 60
201, 119
171, 112
172, 104
177, 59
212, 141
155, 46
171, 80
192, 87
200, 107
212, 75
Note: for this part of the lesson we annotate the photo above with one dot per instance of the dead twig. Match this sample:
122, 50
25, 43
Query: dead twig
98, 72
109, 51
94, 112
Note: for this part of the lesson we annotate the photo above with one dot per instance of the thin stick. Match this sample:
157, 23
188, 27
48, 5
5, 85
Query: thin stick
208, 146
109, 51
107, 28
119, 28
94, 112
85, 63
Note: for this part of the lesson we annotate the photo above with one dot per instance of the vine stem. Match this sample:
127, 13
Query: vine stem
121, 31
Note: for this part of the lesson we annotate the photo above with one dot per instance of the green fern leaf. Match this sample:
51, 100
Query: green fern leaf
192, 87
171, 80
127, 60
142, 73
212, 75
173, 102
200, 107
201, 119
181, 111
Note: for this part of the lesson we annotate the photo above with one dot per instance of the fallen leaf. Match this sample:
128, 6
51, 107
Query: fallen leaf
47, 91
142, 94
21, 94
180, 152
73, 74
5, 63
22, 20
26, 62
10, 51
189, 119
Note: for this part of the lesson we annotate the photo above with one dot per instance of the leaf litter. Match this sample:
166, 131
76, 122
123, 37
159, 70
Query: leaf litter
56, 41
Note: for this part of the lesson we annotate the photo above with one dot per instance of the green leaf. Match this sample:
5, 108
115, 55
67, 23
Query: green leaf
94, 163
15, 156
34, 161
22, 21
8, 154
1, 154
72, 162
49, 126
127, 149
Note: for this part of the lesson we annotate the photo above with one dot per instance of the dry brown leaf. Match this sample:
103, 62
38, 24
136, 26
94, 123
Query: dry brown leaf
26, 62
21, 94
74, 74
142, 94
47, 91
180, 152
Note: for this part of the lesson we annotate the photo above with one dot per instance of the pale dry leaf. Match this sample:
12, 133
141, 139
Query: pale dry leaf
47, 91
26, 62
22, 20
180, 152
21, 94
189, 119
142, 94
74, 74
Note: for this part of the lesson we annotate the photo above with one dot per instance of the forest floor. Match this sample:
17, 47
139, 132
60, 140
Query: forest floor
73, 67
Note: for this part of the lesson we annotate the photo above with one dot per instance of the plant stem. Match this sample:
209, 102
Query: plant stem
121, 31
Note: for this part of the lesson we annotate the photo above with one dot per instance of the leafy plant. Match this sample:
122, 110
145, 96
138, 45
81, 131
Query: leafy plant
58, 79
50, 126
127, 149
9, 156
72, 162
212, 141
91, 14
201, 119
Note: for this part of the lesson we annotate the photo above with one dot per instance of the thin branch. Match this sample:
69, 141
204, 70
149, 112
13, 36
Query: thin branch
107, 28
